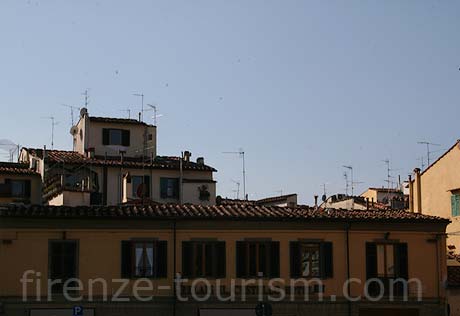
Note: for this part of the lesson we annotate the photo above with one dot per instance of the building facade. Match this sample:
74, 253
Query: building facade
222, 244
19, 184
115, 161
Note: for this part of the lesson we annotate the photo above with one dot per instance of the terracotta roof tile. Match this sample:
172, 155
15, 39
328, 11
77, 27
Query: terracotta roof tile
16, 168
160, 162
189, 211
116, 120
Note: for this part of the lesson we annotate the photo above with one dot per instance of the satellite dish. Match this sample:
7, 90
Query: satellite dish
324, 198
73, 130
83, 112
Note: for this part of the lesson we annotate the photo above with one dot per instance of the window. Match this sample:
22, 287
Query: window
144, 259
257, 259
115, 137
140, 186
455, 201
19, 188
169, 188
203, 259
63, 261
311, 259
386, 261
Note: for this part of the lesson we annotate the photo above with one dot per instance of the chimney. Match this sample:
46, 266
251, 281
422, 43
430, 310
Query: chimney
200, 161
122, 155
372, 202
90, 153
418, 179
411, 194
187, 156
367, 204
140, 115
316, 201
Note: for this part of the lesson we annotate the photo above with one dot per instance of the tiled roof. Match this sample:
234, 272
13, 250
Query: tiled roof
160, 162
116, 120
391, 190
453, 276
274, 199
201, 212
16, 168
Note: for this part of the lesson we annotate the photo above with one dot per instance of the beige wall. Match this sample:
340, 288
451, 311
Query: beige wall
71, 198
35, 187
91, 137
436, 184
100, 251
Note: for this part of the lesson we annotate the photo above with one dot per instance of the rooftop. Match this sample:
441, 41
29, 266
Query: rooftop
98, 119
222, 212
160, 162
16, 168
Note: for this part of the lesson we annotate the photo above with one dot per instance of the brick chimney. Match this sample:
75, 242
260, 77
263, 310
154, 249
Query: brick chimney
418, 182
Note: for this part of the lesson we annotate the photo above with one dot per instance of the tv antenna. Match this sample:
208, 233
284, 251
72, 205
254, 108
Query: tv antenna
154, 108
72, 108
347, 183
352, 180
422, 162
141, 95
237, 189
128, 111
428, 152
53, 124
324, 197
11, 147
241, 154
86, 94
280, 192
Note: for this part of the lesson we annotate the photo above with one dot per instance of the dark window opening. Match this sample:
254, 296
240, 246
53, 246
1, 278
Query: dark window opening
257, 259
203, 259
169, 188
140, 186
63, 262
115, 137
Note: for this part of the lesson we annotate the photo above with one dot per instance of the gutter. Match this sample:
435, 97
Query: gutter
348, 267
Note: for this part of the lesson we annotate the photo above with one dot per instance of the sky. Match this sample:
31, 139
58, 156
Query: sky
303, 87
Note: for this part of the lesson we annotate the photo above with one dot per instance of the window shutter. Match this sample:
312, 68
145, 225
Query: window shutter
126, 259
105, 136
401, 260
241, 259
27, 188
176, 188
294, 247
221, 260
187, 254
371, 260
162, 259
147, 186
457, 205
274, 259
327, 266
125, 137
163, 188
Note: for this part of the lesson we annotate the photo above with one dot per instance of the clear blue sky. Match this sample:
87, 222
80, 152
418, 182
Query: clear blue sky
303, 86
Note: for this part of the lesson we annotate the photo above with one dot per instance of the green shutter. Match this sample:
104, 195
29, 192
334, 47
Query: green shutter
455, 204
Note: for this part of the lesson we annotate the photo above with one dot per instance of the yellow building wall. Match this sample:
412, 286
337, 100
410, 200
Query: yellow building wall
35, 187
436, 184
100, 253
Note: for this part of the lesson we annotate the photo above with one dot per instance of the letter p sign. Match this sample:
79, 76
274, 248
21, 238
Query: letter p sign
77, 311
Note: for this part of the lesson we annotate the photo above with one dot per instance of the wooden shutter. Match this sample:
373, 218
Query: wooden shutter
274, 259
176, 188
294, 249
162, 259
126, 259
105, 136
221, 260
27, 188
125, 137
327, 266
401, 261
147, 186
187, 255
241, 270
163, 188
371, 260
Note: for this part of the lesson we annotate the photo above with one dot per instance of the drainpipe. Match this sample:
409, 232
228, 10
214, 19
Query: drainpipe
174, 266
348, 267
411, 194
418, 179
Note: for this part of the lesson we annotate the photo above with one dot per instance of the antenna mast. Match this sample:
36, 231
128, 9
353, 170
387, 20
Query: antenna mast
71, 107
241, 153
352, 180
428, 152
142, 104
53, 124
86, 94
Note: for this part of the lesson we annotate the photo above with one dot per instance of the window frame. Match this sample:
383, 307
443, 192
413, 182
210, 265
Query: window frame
129, 265
24, 186
455, 204
50, 262
201, 246
145, 181
270, 271
115, 130
164, 188
325, 259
